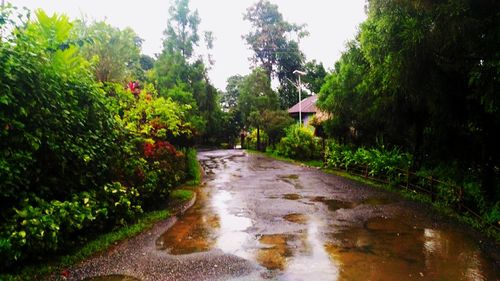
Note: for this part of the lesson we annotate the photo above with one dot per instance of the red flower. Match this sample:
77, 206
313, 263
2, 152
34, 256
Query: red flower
148, 149
65, 274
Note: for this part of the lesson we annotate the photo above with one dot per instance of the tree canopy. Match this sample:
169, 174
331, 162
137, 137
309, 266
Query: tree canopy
421, 75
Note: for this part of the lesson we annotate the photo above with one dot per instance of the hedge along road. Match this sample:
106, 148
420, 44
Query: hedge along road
257, 218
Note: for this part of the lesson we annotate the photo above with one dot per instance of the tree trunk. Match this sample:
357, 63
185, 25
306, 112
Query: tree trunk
258, 138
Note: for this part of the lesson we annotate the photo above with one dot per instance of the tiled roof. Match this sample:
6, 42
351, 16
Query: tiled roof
308, 105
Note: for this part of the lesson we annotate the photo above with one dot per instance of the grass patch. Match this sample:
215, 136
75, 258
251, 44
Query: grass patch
181, 194
193, 168
314, 163
276, 156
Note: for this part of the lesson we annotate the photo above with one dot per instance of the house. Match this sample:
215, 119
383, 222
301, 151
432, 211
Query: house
308, 108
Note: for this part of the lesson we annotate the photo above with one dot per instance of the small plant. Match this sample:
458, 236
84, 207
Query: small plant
299, 143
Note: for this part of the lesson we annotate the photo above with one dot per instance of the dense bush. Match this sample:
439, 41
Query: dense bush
392, 164
378, 162
409, 78
40, 227
76, 156
299, 143
55, 127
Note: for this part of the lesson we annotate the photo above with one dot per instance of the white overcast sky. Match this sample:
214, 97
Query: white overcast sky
330, 24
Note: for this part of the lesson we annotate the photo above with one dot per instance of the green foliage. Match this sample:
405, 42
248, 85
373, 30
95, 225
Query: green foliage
251, 139
182, 29
315, 76
289, 60
299, 143
99, 244
40, 227
115, 53
394, 166
494, 215
274, 124
268, 38
273, 51
183, 79
56, 129
159, 118
193, 167
256, 94
182, 194
420, 76
77, 156
379, 162
231, 95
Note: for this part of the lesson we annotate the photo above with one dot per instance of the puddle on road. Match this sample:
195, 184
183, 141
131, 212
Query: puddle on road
112, 278
312, 261
388, 225
334, 205
207, 225
291, 179
296, 218
318, 247
376, 201
390, 249
292, 196
274, 251
194, 232
232, 233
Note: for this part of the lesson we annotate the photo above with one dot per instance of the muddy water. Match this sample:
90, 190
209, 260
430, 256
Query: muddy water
300, 224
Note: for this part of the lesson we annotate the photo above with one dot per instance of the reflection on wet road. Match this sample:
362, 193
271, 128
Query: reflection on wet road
301, 224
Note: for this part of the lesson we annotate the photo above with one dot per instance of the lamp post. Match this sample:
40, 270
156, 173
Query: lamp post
300, 73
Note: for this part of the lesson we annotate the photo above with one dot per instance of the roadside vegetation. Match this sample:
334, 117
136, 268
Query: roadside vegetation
96, 136
90, 144
411, 102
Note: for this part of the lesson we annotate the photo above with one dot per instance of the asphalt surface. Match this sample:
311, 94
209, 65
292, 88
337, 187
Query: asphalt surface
261, 219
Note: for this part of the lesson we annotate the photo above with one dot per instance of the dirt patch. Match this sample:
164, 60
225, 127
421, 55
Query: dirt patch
289, 177
275, 251
333, 204
296, 218
292, 196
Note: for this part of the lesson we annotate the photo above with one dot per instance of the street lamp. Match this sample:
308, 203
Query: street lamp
300, 73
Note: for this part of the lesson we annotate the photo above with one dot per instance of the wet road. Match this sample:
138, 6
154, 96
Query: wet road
298, 223
256, 218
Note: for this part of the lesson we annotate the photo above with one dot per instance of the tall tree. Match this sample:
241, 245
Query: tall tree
230, 96
181, 34
289, 60
182, 76
428, 70
111, 49
268, 38
256, 96
315, 76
